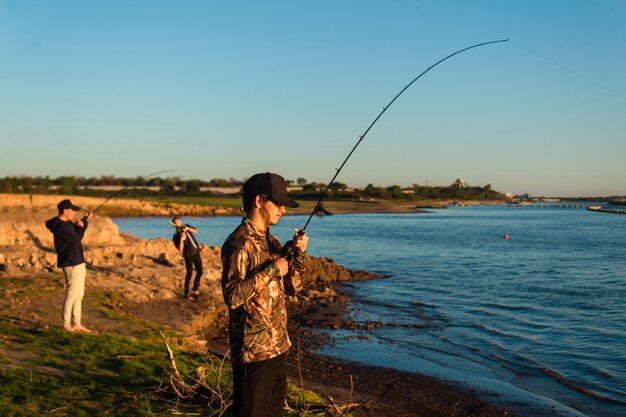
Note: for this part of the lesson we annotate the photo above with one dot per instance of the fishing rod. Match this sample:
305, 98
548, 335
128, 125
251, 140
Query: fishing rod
361, 137
122, 189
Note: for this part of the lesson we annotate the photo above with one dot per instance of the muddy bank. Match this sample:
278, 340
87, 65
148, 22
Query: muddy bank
383, 391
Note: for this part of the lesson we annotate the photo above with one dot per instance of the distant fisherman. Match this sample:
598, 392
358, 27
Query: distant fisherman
189, 247
256, 280
68, 238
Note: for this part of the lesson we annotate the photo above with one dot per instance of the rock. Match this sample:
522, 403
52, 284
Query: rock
325, 270
222, 212
49, 260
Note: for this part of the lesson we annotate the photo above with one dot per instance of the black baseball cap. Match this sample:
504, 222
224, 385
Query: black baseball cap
269, 184
67, 204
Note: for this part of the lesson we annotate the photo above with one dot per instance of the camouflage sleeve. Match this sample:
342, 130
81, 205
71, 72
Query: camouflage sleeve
241, 284
293, 279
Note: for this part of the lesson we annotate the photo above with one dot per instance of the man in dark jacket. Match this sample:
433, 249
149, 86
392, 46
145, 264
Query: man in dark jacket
68, 245
189, 247
256, 279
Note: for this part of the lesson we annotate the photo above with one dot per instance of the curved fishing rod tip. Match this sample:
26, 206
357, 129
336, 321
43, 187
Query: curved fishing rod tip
361, 136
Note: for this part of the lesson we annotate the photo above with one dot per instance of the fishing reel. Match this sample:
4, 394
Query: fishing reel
288, 251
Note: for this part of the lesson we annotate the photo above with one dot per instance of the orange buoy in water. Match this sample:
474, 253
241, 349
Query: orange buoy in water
505, 236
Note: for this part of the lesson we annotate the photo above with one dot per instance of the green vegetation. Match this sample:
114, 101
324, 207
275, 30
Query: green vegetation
456, 191
137, 187
214, 201
50, 372
78, 375
202, 192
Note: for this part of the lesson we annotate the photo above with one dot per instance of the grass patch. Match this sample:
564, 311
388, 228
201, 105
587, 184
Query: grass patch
230, 202
25, 287
80, 375
52, 372
12, 281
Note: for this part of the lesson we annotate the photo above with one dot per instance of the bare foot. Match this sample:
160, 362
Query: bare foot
82, 329
69, 328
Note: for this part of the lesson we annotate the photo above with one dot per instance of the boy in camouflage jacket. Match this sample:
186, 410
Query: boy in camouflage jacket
256, 279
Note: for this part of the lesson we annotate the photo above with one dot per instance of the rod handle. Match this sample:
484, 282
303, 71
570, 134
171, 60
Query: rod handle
288, 250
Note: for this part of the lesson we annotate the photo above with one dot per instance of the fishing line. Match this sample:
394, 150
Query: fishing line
579, 75
361, 137
129, 185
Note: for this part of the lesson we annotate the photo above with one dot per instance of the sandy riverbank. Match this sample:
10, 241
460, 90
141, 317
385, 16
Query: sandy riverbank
143, 279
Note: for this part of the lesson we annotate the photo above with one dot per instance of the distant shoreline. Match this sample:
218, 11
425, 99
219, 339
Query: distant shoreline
125, 207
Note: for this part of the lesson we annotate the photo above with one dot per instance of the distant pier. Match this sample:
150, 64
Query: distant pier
603, 210
579, 206
599, 209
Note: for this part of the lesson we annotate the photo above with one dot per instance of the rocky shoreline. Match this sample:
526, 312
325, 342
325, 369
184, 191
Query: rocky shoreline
143, 279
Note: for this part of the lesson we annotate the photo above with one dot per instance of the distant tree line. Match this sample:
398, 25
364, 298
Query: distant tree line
173, 186
139, 186
456, 191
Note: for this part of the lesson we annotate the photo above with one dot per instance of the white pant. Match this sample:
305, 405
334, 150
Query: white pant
75, 284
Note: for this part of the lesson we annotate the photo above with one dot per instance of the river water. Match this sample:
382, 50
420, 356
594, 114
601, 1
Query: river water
538, 317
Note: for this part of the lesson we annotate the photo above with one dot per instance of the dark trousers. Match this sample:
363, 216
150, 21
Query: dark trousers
260, 388
190, 263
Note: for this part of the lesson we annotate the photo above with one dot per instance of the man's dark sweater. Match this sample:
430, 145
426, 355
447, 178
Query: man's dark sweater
67, 241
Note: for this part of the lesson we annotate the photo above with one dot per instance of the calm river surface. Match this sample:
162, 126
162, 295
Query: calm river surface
539, 317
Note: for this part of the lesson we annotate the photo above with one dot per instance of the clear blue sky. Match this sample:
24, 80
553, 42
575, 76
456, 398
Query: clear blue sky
229, 88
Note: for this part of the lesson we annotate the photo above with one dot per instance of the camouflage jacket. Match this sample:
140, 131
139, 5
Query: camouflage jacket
256, 294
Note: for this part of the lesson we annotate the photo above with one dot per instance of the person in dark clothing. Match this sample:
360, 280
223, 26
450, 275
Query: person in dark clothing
68, 238
189, 247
